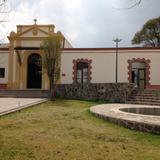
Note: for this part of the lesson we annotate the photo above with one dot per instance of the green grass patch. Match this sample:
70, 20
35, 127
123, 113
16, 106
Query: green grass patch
66, 130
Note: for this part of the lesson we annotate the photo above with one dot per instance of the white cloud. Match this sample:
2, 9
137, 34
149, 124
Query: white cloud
86, 23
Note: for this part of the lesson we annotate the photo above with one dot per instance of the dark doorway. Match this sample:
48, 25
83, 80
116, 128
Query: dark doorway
138, 77
139, 74
34, 71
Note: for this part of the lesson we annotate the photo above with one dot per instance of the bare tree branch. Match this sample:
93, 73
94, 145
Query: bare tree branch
134, 4
6, 11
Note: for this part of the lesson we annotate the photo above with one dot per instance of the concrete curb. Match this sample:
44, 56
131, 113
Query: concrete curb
144, 123
22, 107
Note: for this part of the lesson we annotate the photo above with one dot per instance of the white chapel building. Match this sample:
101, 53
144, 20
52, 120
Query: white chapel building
19, 58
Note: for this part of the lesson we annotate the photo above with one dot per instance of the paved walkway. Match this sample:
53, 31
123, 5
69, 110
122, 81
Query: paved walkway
140, 122
8, 105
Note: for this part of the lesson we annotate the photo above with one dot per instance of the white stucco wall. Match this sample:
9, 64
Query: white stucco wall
4, 60
31, 43
30, 34
152, 55
67, 44
103, 64
46, 28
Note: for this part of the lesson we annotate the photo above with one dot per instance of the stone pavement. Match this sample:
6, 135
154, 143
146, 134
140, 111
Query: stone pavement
9, 105
112, 112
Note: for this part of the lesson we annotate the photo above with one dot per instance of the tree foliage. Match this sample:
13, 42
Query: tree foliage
51, 48
149, 35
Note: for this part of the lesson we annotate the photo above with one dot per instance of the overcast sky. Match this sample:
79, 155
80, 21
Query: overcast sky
86, 23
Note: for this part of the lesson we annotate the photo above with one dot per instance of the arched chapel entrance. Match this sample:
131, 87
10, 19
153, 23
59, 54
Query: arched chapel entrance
34, 71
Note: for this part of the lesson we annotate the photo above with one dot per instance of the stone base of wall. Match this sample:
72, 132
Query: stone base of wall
111, 92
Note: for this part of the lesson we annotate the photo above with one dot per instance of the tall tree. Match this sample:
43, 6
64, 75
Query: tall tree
149, 35
51, 48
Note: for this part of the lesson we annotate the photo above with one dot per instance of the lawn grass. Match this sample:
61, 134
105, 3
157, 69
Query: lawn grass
66, 130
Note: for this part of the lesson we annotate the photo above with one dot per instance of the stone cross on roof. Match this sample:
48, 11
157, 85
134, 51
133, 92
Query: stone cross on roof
35, 21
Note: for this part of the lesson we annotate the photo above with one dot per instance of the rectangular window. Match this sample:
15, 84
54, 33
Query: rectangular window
82, 72
85, 75
79, 76
2, 72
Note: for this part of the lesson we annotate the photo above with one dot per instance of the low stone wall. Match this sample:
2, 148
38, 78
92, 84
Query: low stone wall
111, 92
114, 113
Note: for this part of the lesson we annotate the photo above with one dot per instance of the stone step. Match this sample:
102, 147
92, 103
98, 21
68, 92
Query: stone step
22, 96
6, 93
141, 96
144, 96
24, 93
21, 93
134, 91
146, 92
144, 100
156, 93
143, 103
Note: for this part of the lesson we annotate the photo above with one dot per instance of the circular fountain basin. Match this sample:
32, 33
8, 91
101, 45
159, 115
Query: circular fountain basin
137, 117
142, 110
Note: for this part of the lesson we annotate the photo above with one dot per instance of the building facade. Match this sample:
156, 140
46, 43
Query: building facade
20, 62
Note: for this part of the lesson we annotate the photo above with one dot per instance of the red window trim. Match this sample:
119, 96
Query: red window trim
75, 68
147, 67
